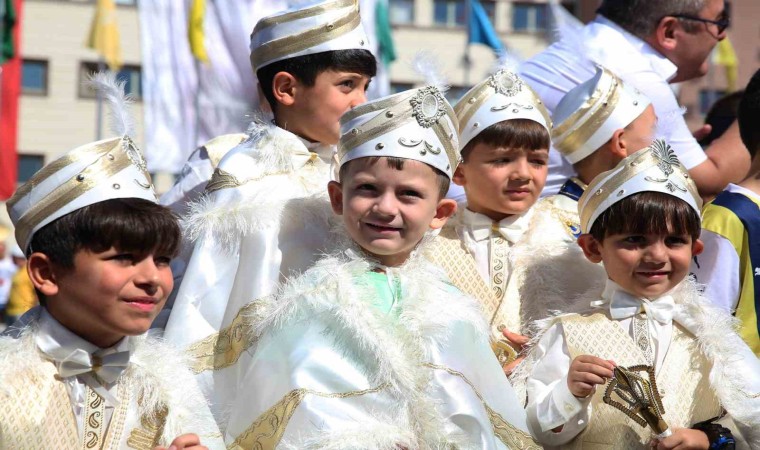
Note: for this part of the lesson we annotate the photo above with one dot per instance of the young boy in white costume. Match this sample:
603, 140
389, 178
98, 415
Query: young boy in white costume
312, 65
504, 137
373, 348
596, 125
641, 220
78, 372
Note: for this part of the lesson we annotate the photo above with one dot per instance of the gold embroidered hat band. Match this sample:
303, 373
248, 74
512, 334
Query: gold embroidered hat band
590, 113
652, 169
305, 30
416, 124
502, 96
103, 170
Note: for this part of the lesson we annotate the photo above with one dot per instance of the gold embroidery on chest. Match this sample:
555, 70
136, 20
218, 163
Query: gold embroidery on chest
148, 435
94, 417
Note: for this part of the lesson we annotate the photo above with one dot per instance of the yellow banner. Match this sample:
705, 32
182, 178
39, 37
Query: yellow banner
104, 34
195, 31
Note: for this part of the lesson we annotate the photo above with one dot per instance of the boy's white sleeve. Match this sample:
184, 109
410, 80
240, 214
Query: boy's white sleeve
718, 269
550, 402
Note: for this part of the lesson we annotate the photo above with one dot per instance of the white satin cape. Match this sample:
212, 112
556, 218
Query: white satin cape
330, 371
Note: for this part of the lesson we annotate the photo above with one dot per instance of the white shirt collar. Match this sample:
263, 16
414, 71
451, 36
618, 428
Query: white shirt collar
624, 304
608, 32
324, 151
57, 341
471, 219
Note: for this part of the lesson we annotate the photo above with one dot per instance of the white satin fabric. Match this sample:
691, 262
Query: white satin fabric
254, 236
323, 334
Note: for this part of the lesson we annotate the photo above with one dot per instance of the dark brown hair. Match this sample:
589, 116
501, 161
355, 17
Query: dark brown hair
516, 133
128, 224
306, 68
398, 164
648, 213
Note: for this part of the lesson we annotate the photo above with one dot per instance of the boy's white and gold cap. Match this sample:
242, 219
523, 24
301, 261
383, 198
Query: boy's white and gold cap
92, 173
653, 169
502, 96
590, 113
416, 124
309, 28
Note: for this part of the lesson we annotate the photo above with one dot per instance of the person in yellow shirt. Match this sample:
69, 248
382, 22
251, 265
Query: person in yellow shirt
22, 297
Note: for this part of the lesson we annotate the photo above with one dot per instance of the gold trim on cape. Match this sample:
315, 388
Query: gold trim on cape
267, 431
507, 433
224, 348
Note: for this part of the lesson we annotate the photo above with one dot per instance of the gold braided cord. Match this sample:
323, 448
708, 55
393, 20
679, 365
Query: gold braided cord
316, 10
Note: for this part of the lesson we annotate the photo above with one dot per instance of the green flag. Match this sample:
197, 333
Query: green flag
383, 31
7, 22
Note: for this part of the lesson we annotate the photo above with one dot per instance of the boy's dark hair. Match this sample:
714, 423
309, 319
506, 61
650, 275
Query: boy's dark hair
398, 164
749, 115
129, 224
648, 213
516, 133
306, 68
721, 116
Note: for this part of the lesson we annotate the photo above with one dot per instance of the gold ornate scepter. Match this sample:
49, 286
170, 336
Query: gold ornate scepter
633, 391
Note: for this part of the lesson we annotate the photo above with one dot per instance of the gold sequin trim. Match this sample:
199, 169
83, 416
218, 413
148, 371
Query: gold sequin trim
267, 430
507, 433
222, 179
224, 348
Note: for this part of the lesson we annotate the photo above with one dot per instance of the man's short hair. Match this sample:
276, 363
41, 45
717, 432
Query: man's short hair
749, 115
398, 164
306, 68
523, 134
640, 17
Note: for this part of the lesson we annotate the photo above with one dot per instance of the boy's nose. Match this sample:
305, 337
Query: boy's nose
656, 252
386, 205
360, 98
521, 170
147, 273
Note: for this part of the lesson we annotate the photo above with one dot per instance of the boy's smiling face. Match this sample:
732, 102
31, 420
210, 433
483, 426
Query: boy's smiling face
645, 265
500, 182
316, 110
387, 211
107, 295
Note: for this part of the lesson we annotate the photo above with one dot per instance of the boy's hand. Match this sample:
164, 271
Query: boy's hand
518, 341
586, 372
683, 439
187, 441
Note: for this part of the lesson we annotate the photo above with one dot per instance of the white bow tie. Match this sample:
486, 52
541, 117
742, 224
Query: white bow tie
511, 230
624, 305
107, 368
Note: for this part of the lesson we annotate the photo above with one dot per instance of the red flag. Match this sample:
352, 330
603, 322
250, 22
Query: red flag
10, 88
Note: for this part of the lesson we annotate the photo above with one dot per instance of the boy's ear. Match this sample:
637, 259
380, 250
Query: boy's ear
617, 144
335, 191
284, 88
458, 177
445, 209
42, 274
697, 247
590, 247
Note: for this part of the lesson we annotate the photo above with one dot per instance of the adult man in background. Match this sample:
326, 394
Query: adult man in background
649, 44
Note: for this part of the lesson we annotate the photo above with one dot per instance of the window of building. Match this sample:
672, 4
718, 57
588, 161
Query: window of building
130, 74
28, 165
401, 12
452, 13
400, 87
454, 93
34, 76
449, 13
126, 2
529, 16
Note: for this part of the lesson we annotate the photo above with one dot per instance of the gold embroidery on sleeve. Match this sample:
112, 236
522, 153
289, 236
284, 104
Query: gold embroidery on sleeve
267, 430
224, 348
507, 433
149, 435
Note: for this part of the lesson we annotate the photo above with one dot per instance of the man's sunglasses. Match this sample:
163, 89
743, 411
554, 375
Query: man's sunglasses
721, 23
